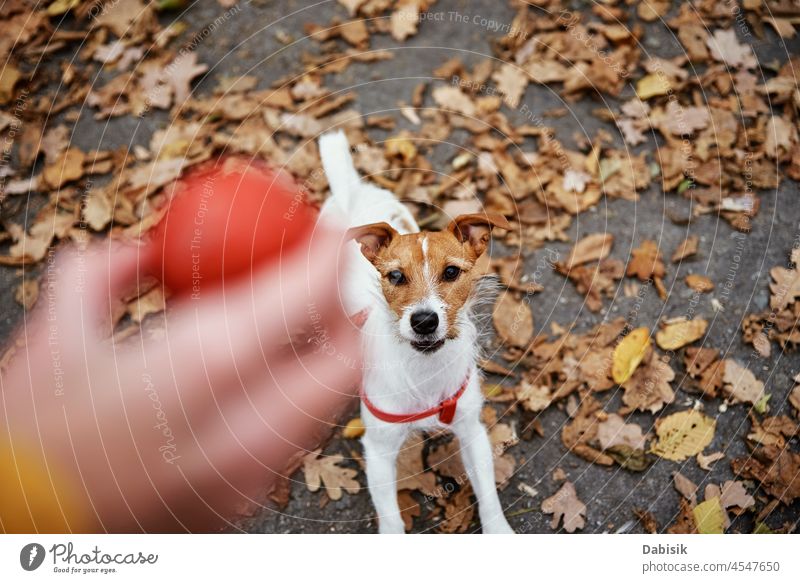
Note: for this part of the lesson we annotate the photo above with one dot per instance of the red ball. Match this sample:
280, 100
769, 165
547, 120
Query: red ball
225, 218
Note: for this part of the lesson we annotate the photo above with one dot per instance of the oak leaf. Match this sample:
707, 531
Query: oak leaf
326, 471
565, 504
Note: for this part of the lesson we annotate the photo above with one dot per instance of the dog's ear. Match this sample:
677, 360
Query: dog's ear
475, 229
372, 238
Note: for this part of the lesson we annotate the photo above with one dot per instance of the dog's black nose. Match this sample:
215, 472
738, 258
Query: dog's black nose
424, 322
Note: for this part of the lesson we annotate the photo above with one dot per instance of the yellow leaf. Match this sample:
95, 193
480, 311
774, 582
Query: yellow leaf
683, 434
679, 333
709, 517
9, 75
354, 429
401, 146
629, 353
61, 6
652, 85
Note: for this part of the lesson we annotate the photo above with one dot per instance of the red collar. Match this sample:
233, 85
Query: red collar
446, 409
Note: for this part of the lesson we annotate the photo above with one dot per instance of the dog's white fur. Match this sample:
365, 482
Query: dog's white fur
397, 378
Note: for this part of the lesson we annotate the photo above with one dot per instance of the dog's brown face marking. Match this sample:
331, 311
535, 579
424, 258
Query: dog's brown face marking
429, 271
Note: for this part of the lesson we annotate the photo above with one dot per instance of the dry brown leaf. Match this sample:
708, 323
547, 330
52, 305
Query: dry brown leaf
733, 494
565, 504
9, 76
685, 487
649, 388
533, 397
97, 210
646, 262
676, 334
451, 98
726, 48
614, 431
404, 20
687, 248
181, 73
66, 168
324, 470
411, 473
511, 82
740, 384
786, 285
699, 283
591, 248
683, 434
409, 508
705, 461
513, 320
458, 512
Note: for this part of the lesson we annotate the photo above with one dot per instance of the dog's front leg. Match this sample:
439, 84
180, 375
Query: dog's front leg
381, 446
476, 452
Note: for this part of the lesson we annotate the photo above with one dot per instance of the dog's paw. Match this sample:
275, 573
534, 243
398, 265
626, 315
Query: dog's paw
498, 525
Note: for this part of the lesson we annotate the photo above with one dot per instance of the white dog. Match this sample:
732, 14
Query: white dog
416, 290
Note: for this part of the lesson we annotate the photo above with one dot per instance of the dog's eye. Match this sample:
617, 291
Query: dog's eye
396, 277
451, 273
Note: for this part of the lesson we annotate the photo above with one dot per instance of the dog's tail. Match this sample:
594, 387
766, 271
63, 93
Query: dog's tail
343, 178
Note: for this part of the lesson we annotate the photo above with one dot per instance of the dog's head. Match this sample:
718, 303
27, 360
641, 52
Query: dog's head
428, 278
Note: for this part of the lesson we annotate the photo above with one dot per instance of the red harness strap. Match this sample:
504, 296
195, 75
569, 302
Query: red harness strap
446, 409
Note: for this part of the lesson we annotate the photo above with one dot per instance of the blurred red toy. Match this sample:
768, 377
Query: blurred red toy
224, 218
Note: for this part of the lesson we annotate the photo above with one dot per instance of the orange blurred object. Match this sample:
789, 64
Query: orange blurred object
225, 217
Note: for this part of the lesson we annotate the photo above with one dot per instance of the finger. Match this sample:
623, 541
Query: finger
239, 327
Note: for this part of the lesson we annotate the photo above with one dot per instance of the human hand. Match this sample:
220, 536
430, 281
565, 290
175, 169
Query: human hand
175, 433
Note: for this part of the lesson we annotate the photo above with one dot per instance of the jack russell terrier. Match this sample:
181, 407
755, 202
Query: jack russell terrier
416, 291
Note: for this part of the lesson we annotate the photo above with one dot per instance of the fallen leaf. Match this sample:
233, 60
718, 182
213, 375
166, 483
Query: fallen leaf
458, 512
181, 73
786, 285
652, 85
614, 431
740, 384
687, 248
565, 504
683, 434
511, 81
629, 353
699, 283
591, 248
649, 388
725, 47
533, 397
409, 508
513, 320
678, 333
685, 487
9, 76
404, 20
451, 98
411, 473
324, 470
66, 168
354, 429
705, 461
733, 494
709, 517
646, 262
